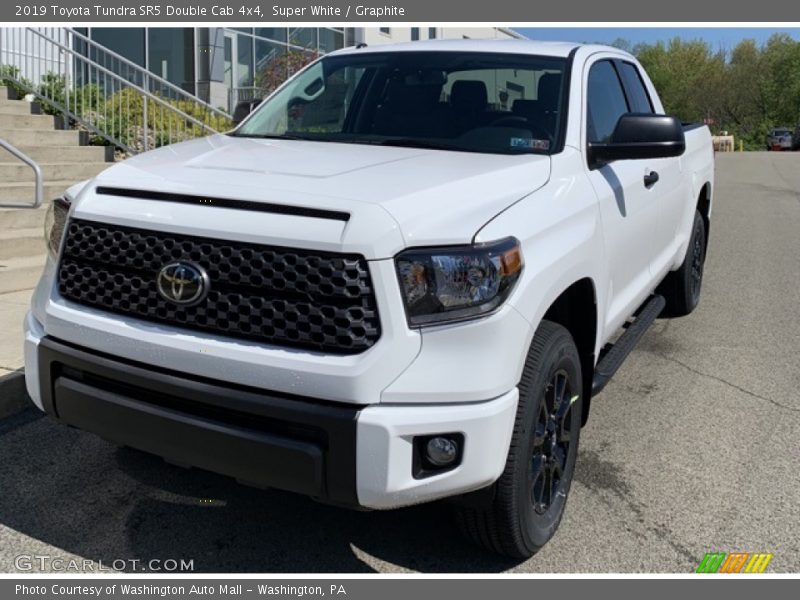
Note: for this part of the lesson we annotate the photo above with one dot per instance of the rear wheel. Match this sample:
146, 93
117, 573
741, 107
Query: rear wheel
528, 500
681, 288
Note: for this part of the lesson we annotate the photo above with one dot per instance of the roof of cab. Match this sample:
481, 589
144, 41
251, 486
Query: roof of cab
514, 46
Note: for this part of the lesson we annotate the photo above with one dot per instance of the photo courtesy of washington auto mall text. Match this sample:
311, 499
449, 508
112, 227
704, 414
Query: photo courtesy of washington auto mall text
175, 589
389, 300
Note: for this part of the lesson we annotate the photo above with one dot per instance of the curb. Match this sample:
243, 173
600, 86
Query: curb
13, 395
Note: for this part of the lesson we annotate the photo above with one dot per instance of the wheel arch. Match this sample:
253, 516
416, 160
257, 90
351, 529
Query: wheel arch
575, 309
703, 206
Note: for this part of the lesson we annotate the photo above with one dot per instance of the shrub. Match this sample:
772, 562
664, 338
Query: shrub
9, 76
124, 114
283, 66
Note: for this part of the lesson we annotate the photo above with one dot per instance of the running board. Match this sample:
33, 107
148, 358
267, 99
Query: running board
612, 358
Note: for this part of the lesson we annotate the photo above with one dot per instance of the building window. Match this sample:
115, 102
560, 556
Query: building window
277, 34
305, 37
330, 40
386, 31
414, 34
266, 54
244, 61
127, 41
431, 33
170, 55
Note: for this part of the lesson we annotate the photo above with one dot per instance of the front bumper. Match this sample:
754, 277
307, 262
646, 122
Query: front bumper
348, 454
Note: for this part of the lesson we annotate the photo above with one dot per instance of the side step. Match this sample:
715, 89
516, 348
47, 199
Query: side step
612, 357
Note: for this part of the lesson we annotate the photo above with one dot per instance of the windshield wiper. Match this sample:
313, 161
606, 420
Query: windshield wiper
417, 143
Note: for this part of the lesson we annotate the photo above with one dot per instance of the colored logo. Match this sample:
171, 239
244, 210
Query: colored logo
182, 283
735, 562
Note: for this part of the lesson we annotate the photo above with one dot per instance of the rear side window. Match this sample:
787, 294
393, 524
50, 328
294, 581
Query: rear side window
638, 96
606, 101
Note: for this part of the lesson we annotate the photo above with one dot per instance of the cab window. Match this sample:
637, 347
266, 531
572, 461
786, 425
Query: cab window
640, 99
606, 101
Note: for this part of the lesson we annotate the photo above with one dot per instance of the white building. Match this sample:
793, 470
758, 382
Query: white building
388, 35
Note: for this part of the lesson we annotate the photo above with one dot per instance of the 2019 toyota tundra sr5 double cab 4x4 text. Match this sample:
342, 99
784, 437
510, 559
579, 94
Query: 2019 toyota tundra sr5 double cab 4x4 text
396, 281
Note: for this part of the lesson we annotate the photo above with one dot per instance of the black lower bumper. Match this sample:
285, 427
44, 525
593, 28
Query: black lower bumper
260, 438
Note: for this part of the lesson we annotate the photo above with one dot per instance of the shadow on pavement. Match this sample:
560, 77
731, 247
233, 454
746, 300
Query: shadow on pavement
83, 496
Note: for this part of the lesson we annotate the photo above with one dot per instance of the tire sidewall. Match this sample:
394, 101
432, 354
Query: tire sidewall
538, 529
698, 229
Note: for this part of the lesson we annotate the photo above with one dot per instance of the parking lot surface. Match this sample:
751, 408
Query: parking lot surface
692, 448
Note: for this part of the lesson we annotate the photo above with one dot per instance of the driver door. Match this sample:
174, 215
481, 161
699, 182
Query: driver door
628, 206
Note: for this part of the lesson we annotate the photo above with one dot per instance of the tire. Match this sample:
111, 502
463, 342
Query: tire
520, 518
681, 289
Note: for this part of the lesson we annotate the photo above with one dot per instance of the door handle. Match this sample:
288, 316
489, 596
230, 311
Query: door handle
650, 179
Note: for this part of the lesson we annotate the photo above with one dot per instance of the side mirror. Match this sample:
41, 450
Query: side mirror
637, 136
244, 108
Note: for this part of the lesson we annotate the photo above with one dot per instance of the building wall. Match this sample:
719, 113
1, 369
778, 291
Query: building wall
389, 35
23, 49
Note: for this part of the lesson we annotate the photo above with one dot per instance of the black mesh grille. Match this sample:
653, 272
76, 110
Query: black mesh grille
283, 296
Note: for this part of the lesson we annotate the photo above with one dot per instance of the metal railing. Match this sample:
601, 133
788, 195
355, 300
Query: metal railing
38, 196
102, 92
138, 75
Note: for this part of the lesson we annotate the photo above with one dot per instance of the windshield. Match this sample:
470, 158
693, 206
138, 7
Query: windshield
471, 102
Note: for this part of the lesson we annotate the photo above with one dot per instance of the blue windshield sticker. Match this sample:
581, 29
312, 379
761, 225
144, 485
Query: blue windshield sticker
530, 143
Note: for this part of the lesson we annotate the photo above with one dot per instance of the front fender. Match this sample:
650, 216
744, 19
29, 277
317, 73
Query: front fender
560, 231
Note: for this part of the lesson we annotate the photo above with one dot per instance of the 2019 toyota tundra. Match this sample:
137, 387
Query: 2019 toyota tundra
401, 278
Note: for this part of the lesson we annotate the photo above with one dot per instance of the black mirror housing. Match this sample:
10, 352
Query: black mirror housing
640, 136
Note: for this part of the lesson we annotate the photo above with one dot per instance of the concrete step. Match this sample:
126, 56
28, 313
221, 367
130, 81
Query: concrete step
20, 243
19, 172
21, 273
19, 136
17, 107
66, 154
32, 122
17, 218
22, 193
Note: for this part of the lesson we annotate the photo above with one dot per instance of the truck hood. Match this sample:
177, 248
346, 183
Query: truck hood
396, 197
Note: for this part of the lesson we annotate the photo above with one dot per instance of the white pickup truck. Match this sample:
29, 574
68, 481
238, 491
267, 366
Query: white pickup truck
397, 280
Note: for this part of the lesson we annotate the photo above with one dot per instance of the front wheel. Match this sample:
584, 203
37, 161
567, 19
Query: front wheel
531, 494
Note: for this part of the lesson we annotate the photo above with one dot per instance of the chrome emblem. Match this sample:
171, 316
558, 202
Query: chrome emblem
182, 283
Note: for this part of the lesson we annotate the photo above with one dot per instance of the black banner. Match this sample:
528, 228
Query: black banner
396, 11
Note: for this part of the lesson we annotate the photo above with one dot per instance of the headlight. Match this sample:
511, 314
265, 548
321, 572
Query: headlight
54, 222
457, 283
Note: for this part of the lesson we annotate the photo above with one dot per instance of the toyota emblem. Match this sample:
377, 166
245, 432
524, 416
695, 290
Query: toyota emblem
182, 283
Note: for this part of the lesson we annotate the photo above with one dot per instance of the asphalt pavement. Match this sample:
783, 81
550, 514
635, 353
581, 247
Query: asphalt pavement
692, 448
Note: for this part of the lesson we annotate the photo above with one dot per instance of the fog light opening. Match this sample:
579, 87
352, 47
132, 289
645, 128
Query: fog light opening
437, 453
